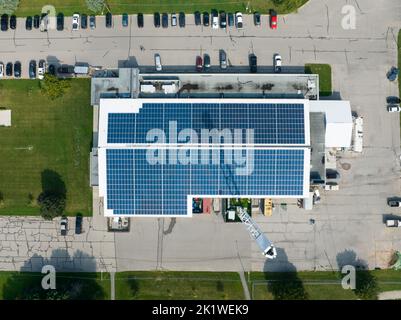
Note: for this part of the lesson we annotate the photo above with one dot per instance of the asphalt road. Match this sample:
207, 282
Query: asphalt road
348, 223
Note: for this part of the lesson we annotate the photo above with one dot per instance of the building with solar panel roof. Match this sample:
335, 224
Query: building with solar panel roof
157, 149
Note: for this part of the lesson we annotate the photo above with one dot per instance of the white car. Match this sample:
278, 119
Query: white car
277, 63
1, 69
41, 69
158, 62
173, 19
393, 108
75, 22
393, 223
238, 20
215, 22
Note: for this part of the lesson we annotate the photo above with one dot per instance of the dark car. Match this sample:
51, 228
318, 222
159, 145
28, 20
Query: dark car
125, 20
4, 22
230, 17
17, 69
197, 18
13, 22
60, 22
393, 100
253, 65
256, 18
181, 19
65, 69
140, 20
84, 21
52, 69
28, 23
156, 20
9, 69
109, 20
206, 61
223, 19
36, 21
199, 64
392, 74
164, 20
92, 22
32, 69
206, 19
78, 224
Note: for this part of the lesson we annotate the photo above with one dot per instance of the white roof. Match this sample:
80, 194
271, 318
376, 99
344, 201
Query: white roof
5, 118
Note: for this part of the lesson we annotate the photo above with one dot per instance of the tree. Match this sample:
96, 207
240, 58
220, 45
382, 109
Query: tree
54, 87
96, 5
1, 199
51, 205
8, 6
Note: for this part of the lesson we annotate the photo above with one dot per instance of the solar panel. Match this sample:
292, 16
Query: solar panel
137, 185
272, 123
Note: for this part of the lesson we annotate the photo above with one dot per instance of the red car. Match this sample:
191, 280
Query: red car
273, 19
199, 64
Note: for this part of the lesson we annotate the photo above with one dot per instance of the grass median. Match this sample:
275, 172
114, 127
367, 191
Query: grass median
68, 7
49, 142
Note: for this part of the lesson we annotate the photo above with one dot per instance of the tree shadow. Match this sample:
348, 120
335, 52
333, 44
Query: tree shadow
69, 286
52, 183
133, 284
283, 285
366, 283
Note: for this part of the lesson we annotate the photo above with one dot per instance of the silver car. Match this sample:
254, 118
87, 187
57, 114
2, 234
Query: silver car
223, 59
158, 62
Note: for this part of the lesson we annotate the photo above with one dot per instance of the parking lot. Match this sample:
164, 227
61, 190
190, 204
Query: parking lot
348, 219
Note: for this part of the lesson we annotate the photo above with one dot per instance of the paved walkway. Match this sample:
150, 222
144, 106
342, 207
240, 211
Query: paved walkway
390, 295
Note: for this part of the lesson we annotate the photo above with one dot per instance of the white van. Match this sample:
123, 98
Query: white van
158, 62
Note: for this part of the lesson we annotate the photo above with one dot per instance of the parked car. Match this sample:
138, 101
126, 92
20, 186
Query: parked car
393, 223
28, 23
1, 69
65, 69
60, 22
84, 21
125, 20
64, 226
92, 22
140, 20
199, 64
32, 69
109, 20
230, 19
215, 20
17, 69
206, 61
393, 108
164, 20
41, 69
197, 18
392, 74
156, 19
393, 100
75, 22
273, 19
173, 19
277, 63
36, 21
44, 22
256, 18
332, 174
223, 59
52, 69
158, 62
13, 22
78, 224
394, 203
253, 63
9, 69
206, 19
4, 22
181, 19
223, 20
239, 20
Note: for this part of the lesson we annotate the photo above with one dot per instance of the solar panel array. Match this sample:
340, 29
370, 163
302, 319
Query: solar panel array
273, 123
136, 186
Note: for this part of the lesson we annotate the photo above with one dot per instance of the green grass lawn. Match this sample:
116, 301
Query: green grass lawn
68, 7
324, 72
47, 140
178, 285
321, 285
92, 285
